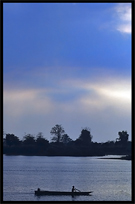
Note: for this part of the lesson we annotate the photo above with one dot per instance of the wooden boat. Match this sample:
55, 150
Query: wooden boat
76, 193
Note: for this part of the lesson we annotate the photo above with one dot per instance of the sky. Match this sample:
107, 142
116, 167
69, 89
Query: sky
67, 64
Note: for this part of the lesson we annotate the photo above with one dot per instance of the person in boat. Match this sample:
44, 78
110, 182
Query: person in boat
74, 189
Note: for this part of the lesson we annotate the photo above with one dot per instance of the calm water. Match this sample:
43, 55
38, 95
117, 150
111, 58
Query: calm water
110, 180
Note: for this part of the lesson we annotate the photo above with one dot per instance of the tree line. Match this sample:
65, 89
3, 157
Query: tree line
62, 145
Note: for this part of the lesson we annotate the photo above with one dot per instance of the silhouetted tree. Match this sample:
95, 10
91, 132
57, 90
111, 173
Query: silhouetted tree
11, 139
58, 132
29, 139
63, 145
65, 139
85, 136
123, 137
40, 141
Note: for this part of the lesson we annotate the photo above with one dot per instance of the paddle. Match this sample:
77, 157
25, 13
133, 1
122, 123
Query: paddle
77, 189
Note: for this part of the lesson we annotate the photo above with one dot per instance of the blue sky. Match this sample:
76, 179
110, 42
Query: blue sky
68, 64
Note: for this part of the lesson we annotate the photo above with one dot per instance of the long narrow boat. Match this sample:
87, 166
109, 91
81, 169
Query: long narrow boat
77, 193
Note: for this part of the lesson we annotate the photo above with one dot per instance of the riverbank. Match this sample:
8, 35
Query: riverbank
127, 157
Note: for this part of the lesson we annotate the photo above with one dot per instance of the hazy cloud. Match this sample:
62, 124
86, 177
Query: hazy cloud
92, 105
123, 11
19, 102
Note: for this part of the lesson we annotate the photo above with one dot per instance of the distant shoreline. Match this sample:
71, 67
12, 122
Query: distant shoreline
128, 157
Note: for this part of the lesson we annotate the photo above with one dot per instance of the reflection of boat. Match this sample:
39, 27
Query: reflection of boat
76, 193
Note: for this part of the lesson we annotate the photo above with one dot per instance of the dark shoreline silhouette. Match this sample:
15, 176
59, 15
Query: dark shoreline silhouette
63, 145
70, 149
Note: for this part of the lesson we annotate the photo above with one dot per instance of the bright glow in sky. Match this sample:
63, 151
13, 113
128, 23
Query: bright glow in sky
68, 64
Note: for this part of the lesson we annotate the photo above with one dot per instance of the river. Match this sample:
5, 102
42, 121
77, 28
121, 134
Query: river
109, 179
